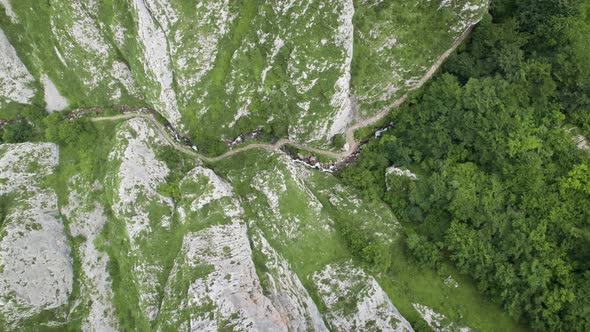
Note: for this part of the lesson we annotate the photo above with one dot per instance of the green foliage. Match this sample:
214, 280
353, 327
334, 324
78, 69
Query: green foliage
364, 176
363, 244
502, 190
79, 158
14, 111
126, 302
6, 202
179, 165
426, 252
379, 22
67, 132
338, 141
17, 132
24, 123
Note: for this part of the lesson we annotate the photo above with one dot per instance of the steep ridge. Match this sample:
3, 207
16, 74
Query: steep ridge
87, 218
351, 146
15, 79
306, 71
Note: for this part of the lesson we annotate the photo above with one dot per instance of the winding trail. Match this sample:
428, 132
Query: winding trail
162, 131
352, 144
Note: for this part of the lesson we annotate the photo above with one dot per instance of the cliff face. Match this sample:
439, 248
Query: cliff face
313, 68
36, 266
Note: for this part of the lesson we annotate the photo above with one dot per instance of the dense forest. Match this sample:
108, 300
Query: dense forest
503, 190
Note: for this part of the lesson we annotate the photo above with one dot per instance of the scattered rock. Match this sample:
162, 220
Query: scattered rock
437, 322
54, 101
87, 219
354, 300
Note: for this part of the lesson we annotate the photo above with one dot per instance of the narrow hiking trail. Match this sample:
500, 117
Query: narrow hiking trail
164, 133
351, 144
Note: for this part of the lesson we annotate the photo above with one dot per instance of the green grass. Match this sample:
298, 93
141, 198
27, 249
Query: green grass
125, 291
172, 312
36, 45
72, 160
405, 285
6, 203
89, 160
86, 159
409, 283
235, 62
218, 78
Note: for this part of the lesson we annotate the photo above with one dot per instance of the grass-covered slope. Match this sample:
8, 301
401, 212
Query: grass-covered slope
154, 240
286, 201
132, 234
397, 41
215, 69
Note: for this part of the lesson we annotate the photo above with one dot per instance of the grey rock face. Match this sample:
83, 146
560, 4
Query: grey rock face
36, 267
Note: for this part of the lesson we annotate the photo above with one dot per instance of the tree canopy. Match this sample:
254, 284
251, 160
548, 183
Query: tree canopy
503, 191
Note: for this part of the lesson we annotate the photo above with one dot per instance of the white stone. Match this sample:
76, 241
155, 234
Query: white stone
216, 189
135, 183
157, 61
341, 99
232, 286
87, 219
35, 264
582, 142
15, 79
287, 293
54, 101
8, 9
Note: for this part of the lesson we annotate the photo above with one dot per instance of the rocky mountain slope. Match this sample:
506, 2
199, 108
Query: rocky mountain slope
224, 252
303, 69
36, 267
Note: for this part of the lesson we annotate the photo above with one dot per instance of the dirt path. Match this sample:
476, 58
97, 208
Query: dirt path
352, 144
164, 133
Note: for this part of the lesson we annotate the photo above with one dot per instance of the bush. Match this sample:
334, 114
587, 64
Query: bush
338, 141
64, 132
17, 132
424, 251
